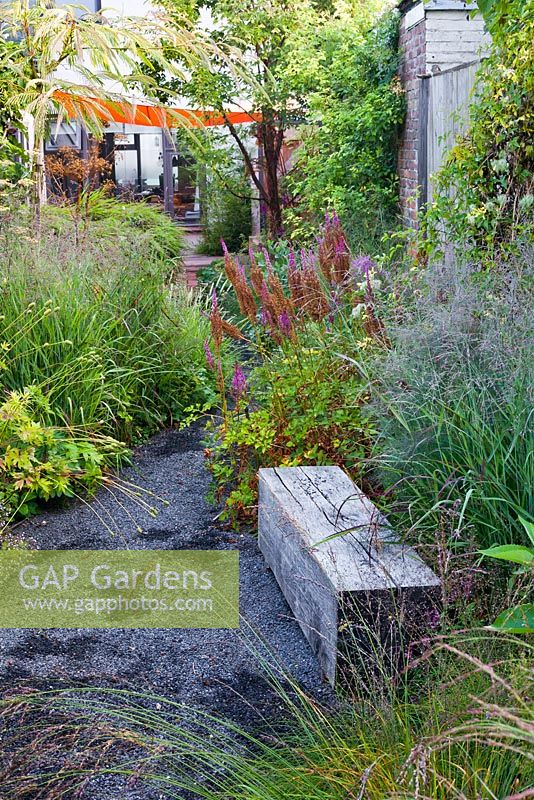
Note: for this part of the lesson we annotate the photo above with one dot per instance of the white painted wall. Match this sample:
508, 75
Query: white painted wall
454, 38
128, 8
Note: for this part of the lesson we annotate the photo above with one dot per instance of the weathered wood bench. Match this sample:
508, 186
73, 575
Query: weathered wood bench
358, 595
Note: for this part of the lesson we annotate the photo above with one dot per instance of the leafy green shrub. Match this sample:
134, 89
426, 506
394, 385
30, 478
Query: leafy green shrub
348, 159
228, 218
310, 412
39, 462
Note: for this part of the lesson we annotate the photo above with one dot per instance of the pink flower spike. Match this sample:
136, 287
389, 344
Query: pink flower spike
292, 262
224, 248
268, 262
239, 383
284, 323
210, 360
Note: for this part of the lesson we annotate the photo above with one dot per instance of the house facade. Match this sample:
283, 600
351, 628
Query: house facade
145, 163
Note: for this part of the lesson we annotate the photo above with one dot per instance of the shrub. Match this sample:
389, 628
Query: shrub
348, 159
39, 462
308, 411
304, 402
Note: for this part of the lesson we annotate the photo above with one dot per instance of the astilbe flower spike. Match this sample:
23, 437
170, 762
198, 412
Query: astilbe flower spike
236, 276
210, 359
239, 384
334, 252
294, 280
216, 322
256, 275
285, 325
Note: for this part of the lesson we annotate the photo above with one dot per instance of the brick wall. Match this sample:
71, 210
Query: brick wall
413, 64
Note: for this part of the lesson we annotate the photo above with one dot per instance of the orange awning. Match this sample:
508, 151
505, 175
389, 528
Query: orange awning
128, 113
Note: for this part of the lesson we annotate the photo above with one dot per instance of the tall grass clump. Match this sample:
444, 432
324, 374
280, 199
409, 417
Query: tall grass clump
455, 405
100, 345
471, 740
96, 324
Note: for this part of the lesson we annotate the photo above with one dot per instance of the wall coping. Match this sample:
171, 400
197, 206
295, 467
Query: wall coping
437, 5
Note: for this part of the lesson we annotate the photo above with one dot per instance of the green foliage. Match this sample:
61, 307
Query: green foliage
455, 407
291, 49
308, 409
520, 618
93, 321
12, 155
228, 218
485, 191
39, 462
347, 161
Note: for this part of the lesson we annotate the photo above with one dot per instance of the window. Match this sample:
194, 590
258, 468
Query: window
66, 134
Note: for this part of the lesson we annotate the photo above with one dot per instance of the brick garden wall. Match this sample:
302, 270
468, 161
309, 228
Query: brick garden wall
413, 64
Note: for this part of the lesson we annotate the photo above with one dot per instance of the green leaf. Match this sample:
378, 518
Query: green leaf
529, 527
511, 552
516, 620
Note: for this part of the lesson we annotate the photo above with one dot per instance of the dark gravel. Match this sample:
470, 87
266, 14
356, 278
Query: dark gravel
213, 670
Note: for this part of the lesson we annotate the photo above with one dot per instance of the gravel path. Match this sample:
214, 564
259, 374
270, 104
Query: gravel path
214, 670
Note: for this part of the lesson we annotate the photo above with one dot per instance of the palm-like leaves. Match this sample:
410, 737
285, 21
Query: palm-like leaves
103, 56
60, 56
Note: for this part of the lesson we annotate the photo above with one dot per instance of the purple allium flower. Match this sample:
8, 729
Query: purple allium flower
210, 360
363, 264
224, 247
239, 383
284, 323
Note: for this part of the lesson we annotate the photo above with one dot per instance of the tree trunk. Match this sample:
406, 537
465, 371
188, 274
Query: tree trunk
37, 166
271, 140
265, 175
40, 173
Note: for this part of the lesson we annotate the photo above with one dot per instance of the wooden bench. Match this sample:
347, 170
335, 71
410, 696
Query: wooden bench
358, 595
